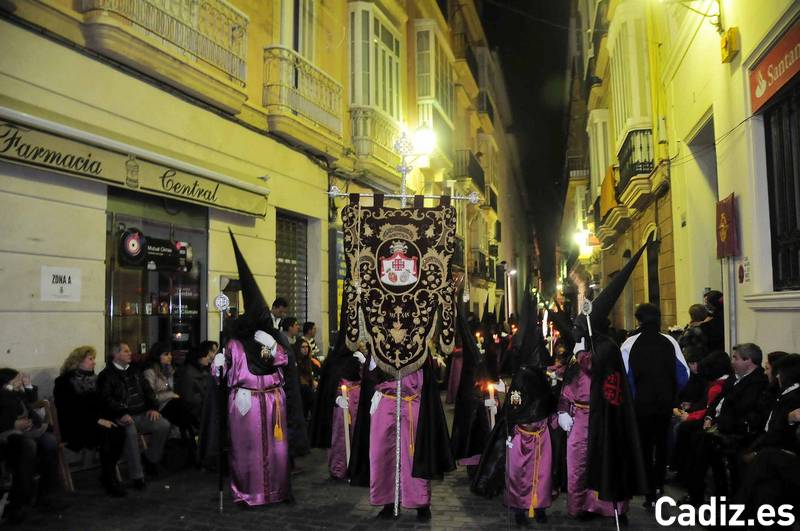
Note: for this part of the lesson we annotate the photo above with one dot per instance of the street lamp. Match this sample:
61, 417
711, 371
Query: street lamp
410, 150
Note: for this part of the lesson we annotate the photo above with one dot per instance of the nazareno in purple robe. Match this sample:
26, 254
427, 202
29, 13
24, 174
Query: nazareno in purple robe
259, 451
414, 492
529, 468
337, 455
575, 401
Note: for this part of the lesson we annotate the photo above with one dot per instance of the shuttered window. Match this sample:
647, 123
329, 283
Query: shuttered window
782, 126
291, 268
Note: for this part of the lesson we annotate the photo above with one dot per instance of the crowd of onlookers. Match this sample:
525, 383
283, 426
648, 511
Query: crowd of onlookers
126, 412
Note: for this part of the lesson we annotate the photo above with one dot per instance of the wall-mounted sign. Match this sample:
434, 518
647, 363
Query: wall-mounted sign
137, 250
779, 66
32, 147
61, 284
727, 229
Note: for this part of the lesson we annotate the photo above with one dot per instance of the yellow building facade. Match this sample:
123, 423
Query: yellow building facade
137, 133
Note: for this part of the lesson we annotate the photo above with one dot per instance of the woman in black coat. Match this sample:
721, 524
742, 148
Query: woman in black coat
194, 377
80, 419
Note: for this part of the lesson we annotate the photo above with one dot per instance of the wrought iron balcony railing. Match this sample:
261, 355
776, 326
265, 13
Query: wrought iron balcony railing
485, 105
635, 156
468, 167
479, 264
212, 31
374, 134
458, 253
463, 52
492, 198
295, 86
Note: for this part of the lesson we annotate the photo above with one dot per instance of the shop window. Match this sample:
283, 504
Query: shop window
782, 128
374, 60
291, 268
157, 259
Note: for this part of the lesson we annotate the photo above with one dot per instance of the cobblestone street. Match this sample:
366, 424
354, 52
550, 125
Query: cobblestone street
188, 500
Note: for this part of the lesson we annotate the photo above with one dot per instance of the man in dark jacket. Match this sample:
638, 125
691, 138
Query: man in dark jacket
656, 372
131, 402
732, 421
25, 445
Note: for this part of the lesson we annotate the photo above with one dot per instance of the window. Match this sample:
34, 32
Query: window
374, 60
597, 130
628, 63
297, 26
782, 128
291, 268
435, 72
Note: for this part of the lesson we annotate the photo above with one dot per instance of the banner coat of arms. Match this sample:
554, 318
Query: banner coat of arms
398, 291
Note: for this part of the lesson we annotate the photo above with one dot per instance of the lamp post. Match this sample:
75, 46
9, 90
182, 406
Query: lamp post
411, 150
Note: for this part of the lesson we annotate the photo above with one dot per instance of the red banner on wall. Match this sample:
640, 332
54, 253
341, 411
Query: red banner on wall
727, 234
780, 65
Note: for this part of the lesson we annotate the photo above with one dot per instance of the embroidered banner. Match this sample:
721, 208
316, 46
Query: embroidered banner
398, 289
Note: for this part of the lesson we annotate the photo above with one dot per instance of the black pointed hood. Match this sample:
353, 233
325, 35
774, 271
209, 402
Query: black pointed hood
488, 319
604, 302
529, 397
255, 306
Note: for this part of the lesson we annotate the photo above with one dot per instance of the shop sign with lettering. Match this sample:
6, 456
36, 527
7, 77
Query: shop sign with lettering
61, 284
32, 147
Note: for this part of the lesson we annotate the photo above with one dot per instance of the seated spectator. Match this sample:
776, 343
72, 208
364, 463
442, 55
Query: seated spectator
130, 401
731, 422
160, 374
80, 416
772, 474
306, 375
194, 379
27, 445
692, 335
714, 369
291, 327
693, 396
773, 390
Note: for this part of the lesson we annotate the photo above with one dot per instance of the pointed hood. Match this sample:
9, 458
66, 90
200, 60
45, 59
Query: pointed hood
529, 397
604, 303
528, 341
501, 314
488, 319
255, 307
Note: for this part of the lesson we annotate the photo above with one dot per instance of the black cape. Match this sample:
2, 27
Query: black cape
339, 364
432, 455
615, 464
470, 423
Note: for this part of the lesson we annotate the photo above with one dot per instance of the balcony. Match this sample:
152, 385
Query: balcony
466, 63
493, 250
374, 135
458, 253
577, 168
467, 167
485, 111
197, 46
479, 265
492, 199
635, 166
303, 103
498, 231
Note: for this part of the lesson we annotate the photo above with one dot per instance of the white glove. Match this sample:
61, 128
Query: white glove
219, 360
376, 399
509, 444
265, 339
490, 402
565, 421
500, 386
342, 402
580, 346
360, 357
372, 364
